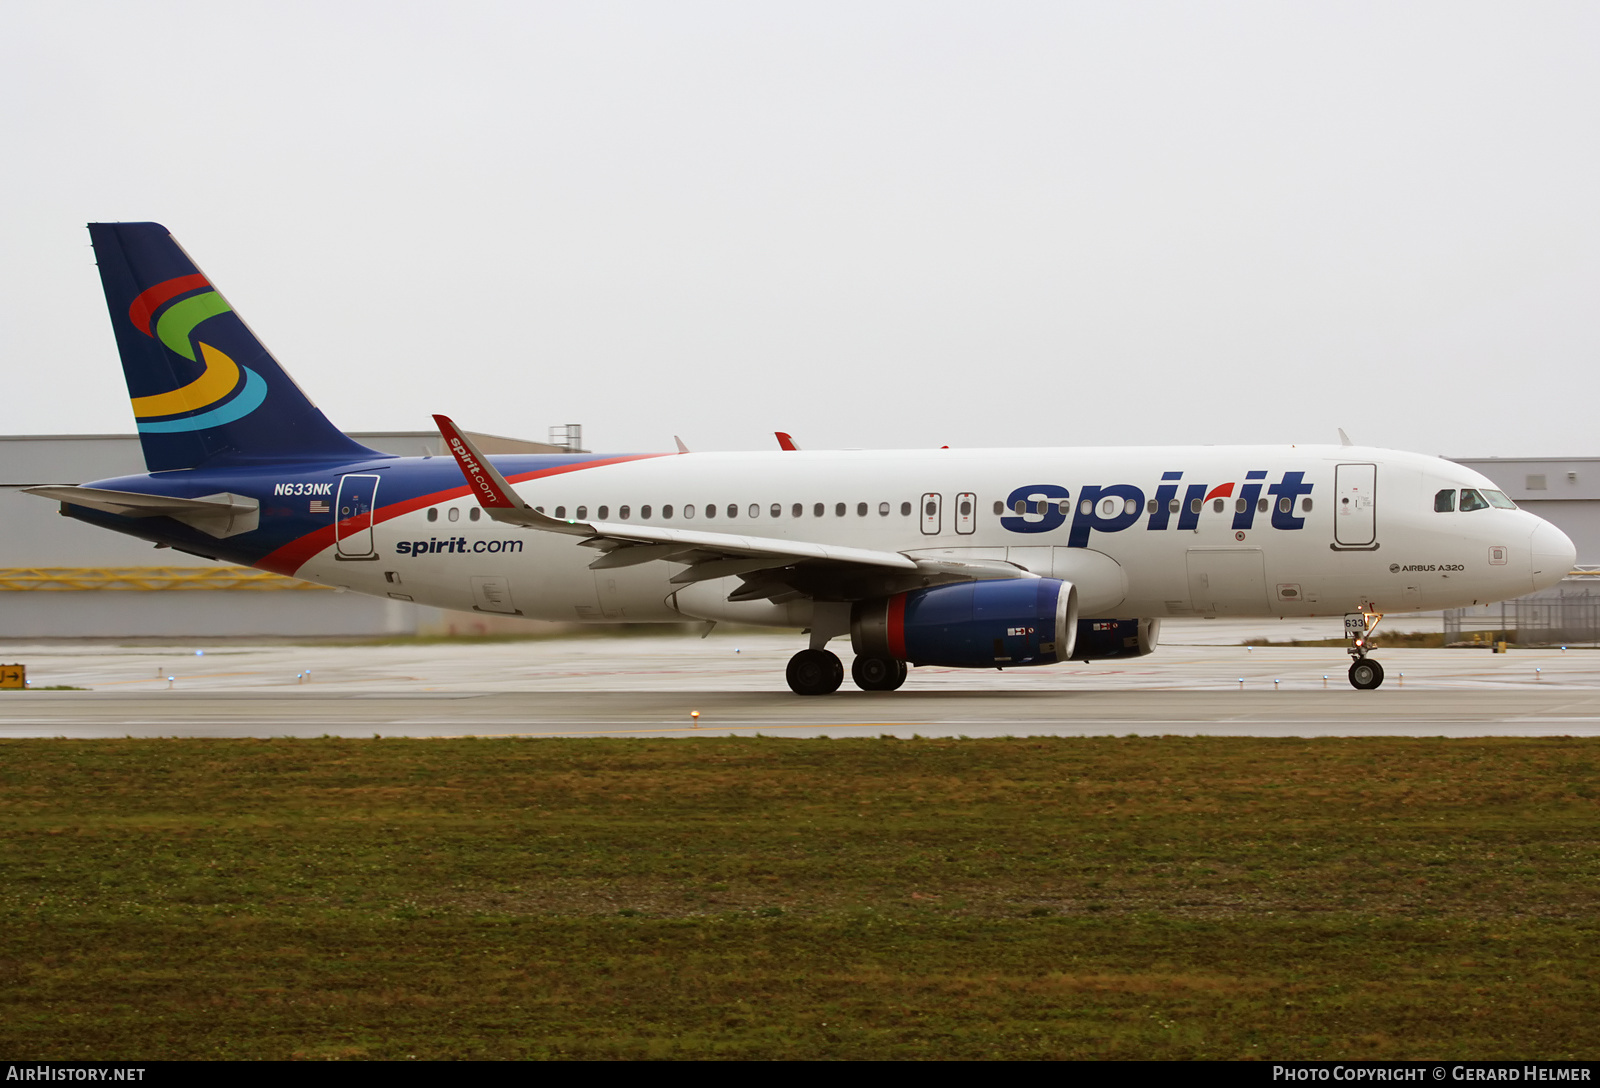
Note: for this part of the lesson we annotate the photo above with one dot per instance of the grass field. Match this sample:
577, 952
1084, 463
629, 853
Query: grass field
779, 898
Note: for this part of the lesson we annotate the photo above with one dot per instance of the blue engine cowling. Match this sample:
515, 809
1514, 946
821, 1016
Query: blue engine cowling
971, 625
1101, 639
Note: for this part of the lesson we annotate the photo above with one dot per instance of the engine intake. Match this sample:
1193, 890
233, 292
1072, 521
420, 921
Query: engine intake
971, 625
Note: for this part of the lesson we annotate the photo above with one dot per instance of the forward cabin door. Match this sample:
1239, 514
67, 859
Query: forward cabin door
931, 516
1355, 521
352, 527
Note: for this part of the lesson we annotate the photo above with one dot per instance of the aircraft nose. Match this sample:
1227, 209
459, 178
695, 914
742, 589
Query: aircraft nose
1551, 554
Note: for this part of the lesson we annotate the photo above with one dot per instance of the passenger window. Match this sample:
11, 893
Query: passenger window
711, 509
1285, 504
1194, 506
561, 511
538, 509
999, 507
666, 511
603, 513
1085, 507
1217, 506
433, 513
1108, 507
688, 511
455, 514
1471, 500
1130, 507
1154, 506
1172, 506
1239, 505
1064, 507
755, 510
818, 510
905, 509
883, 509
776, 511
1305, 505
1261, 506
733, 511
623, 513
1021, 508
838, 510
861, 509
644, 512
1445, 501
583, 511
472, 515
797, 510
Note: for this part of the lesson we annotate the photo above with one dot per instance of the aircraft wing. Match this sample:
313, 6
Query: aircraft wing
772, 568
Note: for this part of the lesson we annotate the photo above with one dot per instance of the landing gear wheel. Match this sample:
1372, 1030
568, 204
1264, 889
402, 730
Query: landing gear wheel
878, 673
814, 672
1365, 674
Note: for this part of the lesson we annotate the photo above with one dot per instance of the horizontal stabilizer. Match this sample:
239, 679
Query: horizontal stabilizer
220, 515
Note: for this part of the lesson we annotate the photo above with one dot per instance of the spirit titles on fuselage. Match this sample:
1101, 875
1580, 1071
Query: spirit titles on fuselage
1111, 508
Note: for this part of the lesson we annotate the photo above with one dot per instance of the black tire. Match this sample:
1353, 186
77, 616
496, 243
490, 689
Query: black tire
878, 673
1366, 674
814, 672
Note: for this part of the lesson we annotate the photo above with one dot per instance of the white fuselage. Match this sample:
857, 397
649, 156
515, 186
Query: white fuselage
1280, 531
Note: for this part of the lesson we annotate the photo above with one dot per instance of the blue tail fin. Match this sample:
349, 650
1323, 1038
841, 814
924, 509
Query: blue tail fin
204, 389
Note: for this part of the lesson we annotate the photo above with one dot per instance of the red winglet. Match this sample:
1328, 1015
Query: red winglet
784, 441
479, 474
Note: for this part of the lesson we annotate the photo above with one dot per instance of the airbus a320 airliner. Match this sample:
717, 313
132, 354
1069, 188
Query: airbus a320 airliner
957, 558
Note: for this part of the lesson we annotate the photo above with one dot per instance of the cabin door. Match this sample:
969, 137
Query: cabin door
352, 529
1355, 489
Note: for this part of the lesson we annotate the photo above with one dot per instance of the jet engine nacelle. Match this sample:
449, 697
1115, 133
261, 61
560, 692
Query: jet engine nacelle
1100, 639
967, 625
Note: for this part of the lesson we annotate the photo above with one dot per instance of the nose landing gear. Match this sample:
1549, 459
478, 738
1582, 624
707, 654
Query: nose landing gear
1365, 673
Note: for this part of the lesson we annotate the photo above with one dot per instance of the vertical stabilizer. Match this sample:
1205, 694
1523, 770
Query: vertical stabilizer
204, 389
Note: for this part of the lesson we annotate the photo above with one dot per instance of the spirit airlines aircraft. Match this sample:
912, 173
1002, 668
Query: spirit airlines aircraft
960, 558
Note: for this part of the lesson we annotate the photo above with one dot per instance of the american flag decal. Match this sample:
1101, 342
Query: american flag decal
318, 506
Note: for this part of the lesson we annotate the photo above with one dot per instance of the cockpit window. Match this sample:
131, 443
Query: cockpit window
1498, 500
1471, 500
1445, 501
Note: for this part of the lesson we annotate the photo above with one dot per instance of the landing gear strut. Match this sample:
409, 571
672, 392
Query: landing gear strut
814, 672
1365, 673
878, 673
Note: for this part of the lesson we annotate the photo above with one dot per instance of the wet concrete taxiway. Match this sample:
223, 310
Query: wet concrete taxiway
650, 686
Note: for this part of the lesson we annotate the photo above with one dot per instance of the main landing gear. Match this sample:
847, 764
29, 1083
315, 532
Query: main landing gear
819, 672
814, 672
1365, 673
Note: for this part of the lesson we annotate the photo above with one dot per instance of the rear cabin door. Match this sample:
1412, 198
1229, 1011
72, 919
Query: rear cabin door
352, 529
1355, 489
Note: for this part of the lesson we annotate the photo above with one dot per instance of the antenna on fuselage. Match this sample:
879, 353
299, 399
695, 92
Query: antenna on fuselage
1344, 439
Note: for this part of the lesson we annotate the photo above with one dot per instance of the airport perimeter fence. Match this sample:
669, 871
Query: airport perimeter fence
1565, 615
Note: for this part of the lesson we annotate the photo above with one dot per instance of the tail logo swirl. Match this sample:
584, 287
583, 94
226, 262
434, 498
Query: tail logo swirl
190, 407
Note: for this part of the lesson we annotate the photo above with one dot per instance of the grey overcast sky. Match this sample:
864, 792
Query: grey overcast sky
870, 224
